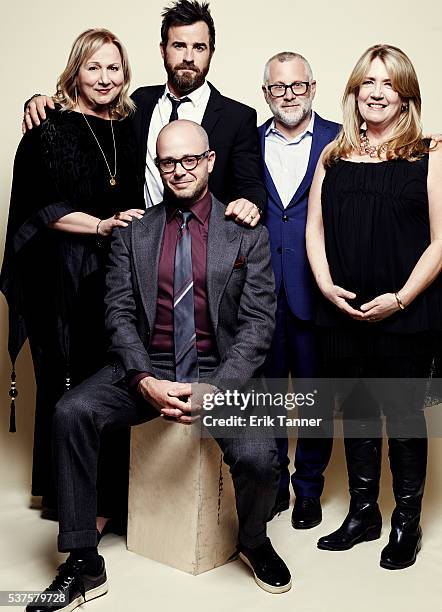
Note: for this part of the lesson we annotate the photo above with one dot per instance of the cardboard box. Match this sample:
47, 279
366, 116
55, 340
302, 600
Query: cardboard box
181, 499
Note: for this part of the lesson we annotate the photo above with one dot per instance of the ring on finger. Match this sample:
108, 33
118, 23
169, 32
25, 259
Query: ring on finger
117, 215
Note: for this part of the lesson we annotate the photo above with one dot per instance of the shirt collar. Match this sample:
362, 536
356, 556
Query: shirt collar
200, 209
272, 129
196, 96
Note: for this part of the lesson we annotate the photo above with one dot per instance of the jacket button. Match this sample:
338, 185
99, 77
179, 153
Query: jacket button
279, 250
285, 218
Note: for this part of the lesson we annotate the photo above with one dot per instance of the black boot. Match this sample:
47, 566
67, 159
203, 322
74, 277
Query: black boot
408, 463
363, 521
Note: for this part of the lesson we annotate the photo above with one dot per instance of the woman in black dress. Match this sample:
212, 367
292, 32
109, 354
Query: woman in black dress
72, 176
374, 240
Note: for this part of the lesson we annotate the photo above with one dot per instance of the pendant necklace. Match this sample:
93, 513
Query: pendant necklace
112, 180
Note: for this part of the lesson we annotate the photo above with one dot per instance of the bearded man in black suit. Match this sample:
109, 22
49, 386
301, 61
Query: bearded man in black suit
187, 46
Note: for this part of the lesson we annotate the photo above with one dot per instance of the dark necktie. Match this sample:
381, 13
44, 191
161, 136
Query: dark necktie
186, 356
175, 105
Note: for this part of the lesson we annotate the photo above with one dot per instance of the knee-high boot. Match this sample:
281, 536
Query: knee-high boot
363, 521
408, 463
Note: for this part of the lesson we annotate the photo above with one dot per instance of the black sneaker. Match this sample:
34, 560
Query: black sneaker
71, 587
269, 570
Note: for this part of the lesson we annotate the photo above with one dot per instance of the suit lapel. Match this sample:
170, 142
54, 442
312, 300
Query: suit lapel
146, 240
319, 140
146, 112
213, 110
222, 248
270, 185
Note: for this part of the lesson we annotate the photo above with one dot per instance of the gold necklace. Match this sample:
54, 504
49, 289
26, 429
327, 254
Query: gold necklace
112, 180
366, 148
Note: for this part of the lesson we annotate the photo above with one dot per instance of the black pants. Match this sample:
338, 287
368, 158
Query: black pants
384, 373
97, 405
380, 369
83, 343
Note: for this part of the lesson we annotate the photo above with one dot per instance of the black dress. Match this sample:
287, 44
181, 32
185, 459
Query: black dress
376, 227
53, 280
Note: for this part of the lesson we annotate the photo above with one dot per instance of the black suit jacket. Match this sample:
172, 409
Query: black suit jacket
233, 135
240, 293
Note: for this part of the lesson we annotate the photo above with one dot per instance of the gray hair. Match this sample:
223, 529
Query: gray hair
287, 56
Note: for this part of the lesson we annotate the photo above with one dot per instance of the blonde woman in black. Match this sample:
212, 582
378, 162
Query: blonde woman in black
374, 241
73, 175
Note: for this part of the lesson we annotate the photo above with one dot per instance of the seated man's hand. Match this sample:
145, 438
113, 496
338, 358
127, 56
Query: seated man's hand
201, 391
164, 395
35, 111
195, 403
244, 212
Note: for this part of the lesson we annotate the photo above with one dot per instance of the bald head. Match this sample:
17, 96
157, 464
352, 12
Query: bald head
184, 161
187, 136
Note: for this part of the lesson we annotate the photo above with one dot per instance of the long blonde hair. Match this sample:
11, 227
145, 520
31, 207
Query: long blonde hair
406, 141
85, 45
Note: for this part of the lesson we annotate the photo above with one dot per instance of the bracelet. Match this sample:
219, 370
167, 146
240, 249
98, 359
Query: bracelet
399, 302
100, 238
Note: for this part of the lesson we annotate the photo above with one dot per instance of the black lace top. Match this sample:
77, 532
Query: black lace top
59, 169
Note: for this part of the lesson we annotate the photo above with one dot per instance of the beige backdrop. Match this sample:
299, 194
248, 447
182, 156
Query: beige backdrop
34, 43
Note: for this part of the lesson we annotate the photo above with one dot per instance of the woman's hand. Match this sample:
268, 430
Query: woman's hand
380, 308
121, 219
339, 297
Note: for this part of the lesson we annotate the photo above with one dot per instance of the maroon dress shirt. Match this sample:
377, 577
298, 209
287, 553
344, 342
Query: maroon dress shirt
162, 339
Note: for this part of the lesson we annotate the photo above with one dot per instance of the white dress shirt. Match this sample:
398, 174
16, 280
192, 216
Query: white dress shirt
193, 110
287, 160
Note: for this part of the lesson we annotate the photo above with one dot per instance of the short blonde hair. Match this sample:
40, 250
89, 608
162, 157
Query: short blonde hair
85, 45
406, 141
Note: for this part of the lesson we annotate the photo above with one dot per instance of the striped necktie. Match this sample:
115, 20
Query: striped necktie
186, 356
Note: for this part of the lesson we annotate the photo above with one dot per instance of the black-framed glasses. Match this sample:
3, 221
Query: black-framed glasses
188, 162
299, 88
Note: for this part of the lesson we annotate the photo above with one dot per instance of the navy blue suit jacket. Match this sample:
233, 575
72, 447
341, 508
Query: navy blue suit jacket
287, 226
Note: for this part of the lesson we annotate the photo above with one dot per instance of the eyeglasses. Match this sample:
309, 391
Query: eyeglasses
188, 162
299, 88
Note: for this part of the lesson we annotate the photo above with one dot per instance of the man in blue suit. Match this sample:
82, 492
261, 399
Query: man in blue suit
291, 143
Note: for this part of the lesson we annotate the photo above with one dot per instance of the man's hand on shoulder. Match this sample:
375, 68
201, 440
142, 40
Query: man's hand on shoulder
243, 212
35, 111
436, 137
169, 398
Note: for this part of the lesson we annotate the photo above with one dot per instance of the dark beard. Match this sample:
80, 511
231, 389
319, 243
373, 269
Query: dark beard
185, 82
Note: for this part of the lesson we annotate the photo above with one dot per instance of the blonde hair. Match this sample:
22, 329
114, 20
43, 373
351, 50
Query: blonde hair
85, 45
406, 141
